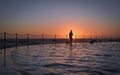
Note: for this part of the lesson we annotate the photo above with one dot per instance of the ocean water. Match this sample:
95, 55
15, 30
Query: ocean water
62, 59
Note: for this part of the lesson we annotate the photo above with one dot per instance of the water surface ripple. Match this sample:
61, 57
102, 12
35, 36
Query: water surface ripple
62, 59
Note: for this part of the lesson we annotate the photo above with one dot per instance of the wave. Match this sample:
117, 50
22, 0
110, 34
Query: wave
58, 64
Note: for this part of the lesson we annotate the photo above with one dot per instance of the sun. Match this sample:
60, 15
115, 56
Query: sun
67, 28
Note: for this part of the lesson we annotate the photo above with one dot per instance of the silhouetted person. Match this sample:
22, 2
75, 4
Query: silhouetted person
70, 36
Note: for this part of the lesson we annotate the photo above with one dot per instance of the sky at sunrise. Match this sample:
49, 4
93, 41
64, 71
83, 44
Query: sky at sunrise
88, 17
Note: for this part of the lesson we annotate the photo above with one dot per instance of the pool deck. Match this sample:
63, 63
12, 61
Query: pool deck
7, 69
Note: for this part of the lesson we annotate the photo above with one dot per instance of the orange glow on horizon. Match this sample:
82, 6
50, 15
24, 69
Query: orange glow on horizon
86, 28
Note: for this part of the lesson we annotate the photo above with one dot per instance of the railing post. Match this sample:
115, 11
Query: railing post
66, 38
111, 38
4, 48
90, 37
27, 40
55, 38
102, 38
16, 41
42, 38
75, 38
83, 37
96, 38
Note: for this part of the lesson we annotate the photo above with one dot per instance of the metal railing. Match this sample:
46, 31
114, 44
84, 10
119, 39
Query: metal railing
15, 40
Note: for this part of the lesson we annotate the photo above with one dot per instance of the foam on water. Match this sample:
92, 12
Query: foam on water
62, 59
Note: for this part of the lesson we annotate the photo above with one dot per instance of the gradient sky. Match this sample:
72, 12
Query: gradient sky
88, 17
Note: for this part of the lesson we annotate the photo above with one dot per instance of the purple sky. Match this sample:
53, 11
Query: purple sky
16, 14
